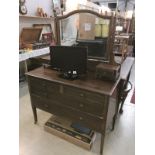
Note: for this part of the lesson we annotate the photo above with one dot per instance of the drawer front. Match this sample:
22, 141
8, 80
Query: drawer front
75, 98
53, 107
56, 98
52, 87
55, 93
40, 103
88, 96
37, 86
85, 101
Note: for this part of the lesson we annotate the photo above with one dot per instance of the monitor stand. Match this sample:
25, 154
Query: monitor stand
70, 75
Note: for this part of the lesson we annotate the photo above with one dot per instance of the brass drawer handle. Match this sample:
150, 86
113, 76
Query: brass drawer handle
82, 95
101, 118
81, 105
61, 89
81, 118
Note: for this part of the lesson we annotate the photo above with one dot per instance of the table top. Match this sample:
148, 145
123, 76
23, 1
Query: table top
126, 67
33, 53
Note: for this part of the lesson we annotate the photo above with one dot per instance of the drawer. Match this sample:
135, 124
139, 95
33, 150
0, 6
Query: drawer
36, 82
81, 105
52, 87
76, 98
55, 92
56, 108
84, 95
85, 101
40, 103
59, 98
37, 86
76, 103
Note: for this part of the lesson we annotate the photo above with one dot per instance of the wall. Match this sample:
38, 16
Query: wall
32, 6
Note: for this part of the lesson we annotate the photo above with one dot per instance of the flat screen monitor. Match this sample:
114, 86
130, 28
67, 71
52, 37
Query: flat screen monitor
69, 59
96, 48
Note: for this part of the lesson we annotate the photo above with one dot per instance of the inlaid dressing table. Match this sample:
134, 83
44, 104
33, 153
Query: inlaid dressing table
85, 100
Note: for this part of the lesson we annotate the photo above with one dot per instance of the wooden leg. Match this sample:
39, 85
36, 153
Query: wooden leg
113, 122
121, 108
115, 115
102, 143
34, 114
118, 100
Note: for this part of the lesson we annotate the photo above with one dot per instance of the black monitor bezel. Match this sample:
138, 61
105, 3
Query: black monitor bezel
60, 68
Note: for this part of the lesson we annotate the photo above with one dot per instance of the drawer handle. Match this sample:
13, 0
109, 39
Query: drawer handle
61, 89
101, 118
82, 95
81, 118
81, 105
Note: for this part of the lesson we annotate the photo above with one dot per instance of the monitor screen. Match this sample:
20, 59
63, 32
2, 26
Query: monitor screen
69, 58
96, 48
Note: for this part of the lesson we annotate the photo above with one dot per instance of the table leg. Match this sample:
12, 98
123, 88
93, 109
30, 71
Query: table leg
118, 100
26, 68
121, 108
34, 114
102, 143
113, 122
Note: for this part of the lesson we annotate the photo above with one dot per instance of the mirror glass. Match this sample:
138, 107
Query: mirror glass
86, 29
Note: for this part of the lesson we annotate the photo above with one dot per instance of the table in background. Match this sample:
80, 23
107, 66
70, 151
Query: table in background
26, 55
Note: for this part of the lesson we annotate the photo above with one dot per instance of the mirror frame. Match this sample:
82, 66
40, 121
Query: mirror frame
111, 35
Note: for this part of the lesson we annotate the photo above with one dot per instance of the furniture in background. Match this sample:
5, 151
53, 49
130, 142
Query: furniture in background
125, 75
121, 45
24, 58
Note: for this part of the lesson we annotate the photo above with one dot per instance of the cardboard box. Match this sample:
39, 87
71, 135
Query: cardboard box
86, 27
62, 128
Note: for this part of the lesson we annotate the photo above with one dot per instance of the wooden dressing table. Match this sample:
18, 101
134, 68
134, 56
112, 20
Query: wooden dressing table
84, 100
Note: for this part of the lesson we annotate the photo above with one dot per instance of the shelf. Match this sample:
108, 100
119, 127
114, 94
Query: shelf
117, 44
37, 17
